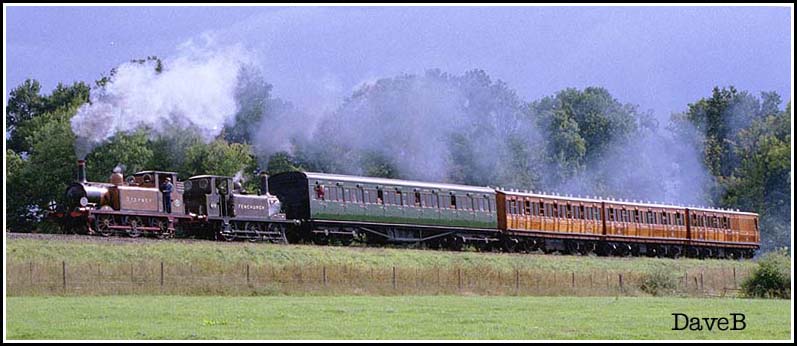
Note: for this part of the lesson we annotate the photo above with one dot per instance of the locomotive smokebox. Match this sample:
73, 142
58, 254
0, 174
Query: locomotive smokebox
81, 171
263, 183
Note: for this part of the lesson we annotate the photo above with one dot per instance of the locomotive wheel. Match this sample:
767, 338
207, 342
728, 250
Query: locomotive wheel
252, 227
283, 238
134, 222
163, 225
103, 225
226, 237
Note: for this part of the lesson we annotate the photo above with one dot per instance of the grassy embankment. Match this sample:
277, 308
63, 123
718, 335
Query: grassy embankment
103, 267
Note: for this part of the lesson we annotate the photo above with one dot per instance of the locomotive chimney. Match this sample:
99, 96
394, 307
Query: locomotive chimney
263, 183
81, 171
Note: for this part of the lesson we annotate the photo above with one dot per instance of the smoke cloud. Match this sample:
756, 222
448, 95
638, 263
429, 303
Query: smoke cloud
435, 127
196, 89
471, 130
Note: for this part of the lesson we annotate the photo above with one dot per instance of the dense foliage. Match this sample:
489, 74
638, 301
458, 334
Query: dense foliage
772, 278
437, 126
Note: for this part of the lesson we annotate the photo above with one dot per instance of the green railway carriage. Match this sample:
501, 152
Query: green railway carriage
343, 207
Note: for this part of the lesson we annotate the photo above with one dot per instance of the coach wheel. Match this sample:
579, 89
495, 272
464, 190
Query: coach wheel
545, 248
321, 239
103, 226
624, 250
675, 251
456, 244
511, 245
585, 248
346, 240
135, 223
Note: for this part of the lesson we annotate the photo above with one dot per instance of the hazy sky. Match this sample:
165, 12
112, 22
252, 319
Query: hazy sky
661, 58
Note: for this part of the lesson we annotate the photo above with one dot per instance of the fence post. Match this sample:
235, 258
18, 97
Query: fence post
324, 275
459, 278
63, 273
394, 277
701, 281
573, 279
686, 281
161, 274
621, 282
734, 277
31, 272
247, 274
517, 280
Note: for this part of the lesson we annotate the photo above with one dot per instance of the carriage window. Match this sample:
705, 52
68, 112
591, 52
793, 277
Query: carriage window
379, 196
465, 203
568, 211
528, 207
319, 192
453, 202
492, 204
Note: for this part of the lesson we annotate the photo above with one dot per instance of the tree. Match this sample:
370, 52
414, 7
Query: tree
580, 126
131, 152
26, 107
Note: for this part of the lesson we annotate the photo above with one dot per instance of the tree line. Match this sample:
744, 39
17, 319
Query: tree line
466, 129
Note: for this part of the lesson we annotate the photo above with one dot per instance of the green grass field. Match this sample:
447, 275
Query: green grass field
375, 317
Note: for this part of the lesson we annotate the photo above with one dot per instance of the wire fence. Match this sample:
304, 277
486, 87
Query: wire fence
155, 277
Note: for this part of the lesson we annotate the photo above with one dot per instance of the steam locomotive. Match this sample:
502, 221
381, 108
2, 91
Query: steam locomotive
204, 206
324, 208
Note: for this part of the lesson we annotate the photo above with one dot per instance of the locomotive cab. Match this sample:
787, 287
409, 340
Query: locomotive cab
208, 195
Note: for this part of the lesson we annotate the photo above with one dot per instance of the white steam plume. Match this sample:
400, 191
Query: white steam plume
195, 89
